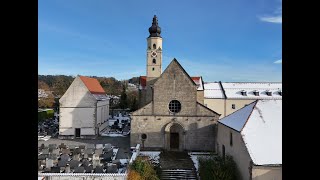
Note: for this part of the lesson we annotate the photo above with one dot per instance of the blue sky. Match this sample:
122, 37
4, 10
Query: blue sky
220, 40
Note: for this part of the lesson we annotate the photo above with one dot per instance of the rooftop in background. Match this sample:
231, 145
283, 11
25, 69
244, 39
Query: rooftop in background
244, 90
199, 82
213, 90
260, 124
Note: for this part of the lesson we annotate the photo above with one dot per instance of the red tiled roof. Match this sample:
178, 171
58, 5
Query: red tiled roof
143, 81
93, 85
195, 78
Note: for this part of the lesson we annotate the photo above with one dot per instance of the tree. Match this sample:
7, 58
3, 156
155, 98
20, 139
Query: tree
46, 102
132, 97
123, 98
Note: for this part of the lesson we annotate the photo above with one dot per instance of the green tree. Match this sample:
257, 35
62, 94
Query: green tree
123, 98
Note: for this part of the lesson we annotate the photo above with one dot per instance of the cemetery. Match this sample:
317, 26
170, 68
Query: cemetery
90, 158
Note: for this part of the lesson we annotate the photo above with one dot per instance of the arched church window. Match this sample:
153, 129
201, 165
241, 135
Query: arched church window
154, 46
154, 61
175, 106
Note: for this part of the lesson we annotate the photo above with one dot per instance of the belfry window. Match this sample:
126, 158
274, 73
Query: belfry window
175, 106
154, 61
154, 46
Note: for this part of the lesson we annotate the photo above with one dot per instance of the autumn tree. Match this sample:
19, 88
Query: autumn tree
123, 98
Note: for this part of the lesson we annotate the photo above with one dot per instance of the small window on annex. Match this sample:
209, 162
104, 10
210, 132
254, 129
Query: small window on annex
233, 106
269, 93
175, 106
243, 93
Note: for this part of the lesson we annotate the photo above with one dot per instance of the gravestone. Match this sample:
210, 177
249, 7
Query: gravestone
98, 151
107, 146
71, 147
53, 156
67, 169
107, 156
65, 151
42, 146
88, 151
90, 146
98, 169
45, 151
62, 146
74, 164
79, 169
99, 146
76, 151
55, 169
49, 163
76, 157
55, 151
52, 146
65, 157
88, 168
112, 168
43, 156
62, 163
116, 162
85, 162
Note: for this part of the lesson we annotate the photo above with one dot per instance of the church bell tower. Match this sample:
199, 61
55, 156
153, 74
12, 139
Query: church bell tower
154, 51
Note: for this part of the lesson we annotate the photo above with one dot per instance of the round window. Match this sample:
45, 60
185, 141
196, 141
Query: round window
174, 106
143, 136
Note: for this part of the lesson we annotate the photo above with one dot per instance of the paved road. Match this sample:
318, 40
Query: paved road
123, 143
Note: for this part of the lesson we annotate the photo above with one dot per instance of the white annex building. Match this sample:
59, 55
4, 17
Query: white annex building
228, 97
253, 137
84, 109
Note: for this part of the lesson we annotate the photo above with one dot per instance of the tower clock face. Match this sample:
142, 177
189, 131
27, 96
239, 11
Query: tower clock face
153, 54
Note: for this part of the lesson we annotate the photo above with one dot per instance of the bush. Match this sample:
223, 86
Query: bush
133, 175
46, 114
217, 168
144, 168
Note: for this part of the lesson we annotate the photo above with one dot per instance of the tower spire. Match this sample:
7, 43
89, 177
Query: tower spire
155, 29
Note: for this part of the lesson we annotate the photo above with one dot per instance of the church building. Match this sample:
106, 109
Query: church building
171, 115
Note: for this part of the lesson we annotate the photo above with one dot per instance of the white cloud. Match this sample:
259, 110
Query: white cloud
275, 19
278, 61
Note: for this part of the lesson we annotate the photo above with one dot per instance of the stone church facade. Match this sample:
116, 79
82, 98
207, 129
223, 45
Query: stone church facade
171, 117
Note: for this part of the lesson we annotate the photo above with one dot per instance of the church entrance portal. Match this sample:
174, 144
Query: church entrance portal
174, 141
174, 137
